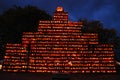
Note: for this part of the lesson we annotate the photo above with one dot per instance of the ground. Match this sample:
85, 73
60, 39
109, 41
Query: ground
46, 76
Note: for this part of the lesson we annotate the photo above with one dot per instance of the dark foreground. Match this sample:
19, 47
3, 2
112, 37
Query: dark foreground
46, 76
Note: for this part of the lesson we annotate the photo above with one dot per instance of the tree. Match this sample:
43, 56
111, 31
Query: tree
105, 35
17, 20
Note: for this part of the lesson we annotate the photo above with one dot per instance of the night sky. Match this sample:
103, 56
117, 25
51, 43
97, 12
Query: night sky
107, 11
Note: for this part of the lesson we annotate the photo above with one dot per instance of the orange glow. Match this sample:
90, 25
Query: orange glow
0, 67
59, 8
59, 46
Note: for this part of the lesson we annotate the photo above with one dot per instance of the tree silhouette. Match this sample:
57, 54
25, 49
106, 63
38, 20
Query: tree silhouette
105, 35
17, 20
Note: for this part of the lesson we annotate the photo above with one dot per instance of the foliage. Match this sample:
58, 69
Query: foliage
17, 20
105, 35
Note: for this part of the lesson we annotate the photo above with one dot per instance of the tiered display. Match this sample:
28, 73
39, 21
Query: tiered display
59, 46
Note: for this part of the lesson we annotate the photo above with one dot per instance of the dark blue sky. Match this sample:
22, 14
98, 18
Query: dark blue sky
107, 11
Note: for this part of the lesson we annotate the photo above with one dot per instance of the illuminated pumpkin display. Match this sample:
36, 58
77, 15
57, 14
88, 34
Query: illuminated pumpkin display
59, 46
59, 9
